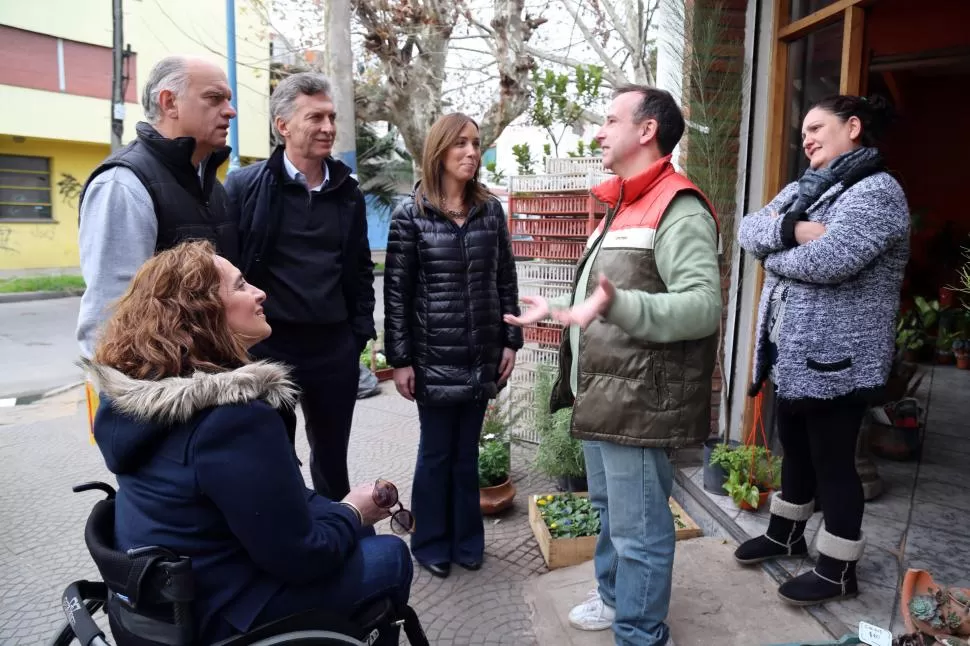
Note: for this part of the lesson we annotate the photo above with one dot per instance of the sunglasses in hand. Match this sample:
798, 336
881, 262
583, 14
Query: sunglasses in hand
385, 496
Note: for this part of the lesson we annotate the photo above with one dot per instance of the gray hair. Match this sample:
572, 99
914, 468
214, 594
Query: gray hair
289, 90
170, 73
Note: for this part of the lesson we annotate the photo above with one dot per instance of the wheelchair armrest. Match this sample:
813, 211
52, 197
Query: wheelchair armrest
78, 616
374, 614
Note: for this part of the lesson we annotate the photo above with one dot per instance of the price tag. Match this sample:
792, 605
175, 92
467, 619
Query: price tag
874, 635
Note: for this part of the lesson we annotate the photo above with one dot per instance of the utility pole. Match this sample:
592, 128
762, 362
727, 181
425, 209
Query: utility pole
117, 76
340, 69
231, 63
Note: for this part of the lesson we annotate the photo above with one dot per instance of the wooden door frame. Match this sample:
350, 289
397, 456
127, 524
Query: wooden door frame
851, 81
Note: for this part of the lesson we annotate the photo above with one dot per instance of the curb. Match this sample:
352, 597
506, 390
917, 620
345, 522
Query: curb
34, 396
23, 297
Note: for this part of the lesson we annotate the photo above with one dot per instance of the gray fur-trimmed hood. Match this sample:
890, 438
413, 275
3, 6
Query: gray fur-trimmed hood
177, 399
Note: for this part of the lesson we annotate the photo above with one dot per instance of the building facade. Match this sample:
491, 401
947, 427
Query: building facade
55, 89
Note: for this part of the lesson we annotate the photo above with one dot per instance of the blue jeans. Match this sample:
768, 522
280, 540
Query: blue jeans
379, 568
447, 513
629, 487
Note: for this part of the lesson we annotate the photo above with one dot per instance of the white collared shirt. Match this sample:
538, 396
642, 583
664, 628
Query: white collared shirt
294, 173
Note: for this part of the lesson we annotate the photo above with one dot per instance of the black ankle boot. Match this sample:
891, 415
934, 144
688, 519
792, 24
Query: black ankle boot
833, 577
785, 536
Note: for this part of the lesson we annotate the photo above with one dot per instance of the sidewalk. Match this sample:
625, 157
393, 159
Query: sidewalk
513, 599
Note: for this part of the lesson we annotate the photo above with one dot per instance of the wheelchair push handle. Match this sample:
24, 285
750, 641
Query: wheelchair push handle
95, 486
78, 616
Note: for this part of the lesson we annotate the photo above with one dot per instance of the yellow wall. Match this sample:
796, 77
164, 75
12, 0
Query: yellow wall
30, 245
74, 131
154, 28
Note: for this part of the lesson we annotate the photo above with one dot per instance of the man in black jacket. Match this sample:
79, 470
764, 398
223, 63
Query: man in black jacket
158, 190
303, 230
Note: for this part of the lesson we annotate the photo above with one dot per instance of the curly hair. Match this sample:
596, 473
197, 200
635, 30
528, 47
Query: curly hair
172, 321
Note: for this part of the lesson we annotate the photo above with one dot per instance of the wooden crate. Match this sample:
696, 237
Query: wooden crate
563, 552
558, 552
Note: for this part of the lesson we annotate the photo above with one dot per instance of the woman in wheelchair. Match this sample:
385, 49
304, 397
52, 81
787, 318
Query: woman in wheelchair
190, 427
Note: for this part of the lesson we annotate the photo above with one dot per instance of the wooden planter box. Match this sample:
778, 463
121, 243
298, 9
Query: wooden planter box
563, 552
384, 374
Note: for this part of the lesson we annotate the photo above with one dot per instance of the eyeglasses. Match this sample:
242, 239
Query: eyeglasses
385, 496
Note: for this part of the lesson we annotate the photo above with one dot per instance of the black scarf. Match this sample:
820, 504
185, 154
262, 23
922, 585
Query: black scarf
847, 168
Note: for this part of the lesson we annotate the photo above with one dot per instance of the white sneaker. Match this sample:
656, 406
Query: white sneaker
592, 614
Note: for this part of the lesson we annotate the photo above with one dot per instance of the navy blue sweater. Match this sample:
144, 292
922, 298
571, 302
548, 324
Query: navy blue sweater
205, 469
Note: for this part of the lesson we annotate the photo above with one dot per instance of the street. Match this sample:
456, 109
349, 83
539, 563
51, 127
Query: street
38, 346
39, 349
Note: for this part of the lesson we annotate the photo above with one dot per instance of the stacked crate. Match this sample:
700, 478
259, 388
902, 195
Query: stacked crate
550, 217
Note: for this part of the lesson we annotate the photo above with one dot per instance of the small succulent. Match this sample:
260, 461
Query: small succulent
953, 621
925, 608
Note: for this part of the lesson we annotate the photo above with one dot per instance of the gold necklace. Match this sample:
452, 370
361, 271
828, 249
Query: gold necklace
456, 214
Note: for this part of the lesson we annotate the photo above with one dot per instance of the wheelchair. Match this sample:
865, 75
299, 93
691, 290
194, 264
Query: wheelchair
147, 594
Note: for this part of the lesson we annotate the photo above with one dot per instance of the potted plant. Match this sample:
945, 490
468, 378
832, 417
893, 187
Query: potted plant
560, 455
714, 474
944, 347
913, 330
374, 357
933, 609
753, 473
961, 351
495, 488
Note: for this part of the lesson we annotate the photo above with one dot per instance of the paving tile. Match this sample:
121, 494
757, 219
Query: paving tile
941, 517
875, 605
942, 553
890, 505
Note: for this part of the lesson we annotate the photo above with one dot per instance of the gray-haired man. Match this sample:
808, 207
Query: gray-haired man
160, 189
303, 233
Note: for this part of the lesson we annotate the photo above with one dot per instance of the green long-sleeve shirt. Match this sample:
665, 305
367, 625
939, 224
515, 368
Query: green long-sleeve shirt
686, 251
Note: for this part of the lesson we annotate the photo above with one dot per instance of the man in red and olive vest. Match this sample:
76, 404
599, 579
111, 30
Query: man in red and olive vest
638, 358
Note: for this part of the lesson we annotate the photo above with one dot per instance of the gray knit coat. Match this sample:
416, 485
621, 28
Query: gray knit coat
837, 333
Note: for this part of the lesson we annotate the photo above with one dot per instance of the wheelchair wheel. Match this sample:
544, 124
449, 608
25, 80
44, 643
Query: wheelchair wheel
310, 638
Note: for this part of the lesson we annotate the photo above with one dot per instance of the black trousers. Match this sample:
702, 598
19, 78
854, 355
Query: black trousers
819, 437
323, 359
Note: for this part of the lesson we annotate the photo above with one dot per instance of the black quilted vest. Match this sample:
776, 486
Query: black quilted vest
186, 208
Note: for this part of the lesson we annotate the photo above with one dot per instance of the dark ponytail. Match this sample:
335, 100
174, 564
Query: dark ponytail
874, 112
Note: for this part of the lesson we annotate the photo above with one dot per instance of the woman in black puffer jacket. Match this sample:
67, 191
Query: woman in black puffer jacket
449, 280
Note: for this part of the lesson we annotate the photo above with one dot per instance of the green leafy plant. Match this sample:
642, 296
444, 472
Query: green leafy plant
560, 103
384, 167
936, 609
494, 448
380, 361
742, 490
751, 470
559, 453
496, 176
568, 515
914, 327
523, 159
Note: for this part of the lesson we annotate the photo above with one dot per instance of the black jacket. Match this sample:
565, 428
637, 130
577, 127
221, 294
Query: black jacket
255, 198
186, 208
446, 289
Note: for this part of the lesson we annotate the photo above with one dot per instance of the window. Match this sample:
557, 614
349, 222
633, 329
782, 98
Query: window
814, 68
25, 188
801, 8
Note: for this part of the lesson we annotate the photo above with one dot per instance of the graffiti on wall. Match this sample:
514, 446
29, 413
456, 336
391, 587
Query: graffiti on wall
69, 189
5, 233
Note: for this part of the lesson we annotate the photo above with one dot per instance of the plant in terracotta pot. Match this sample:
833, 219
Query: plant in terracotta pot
934, 609
496, 490
961, 350
753, 473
